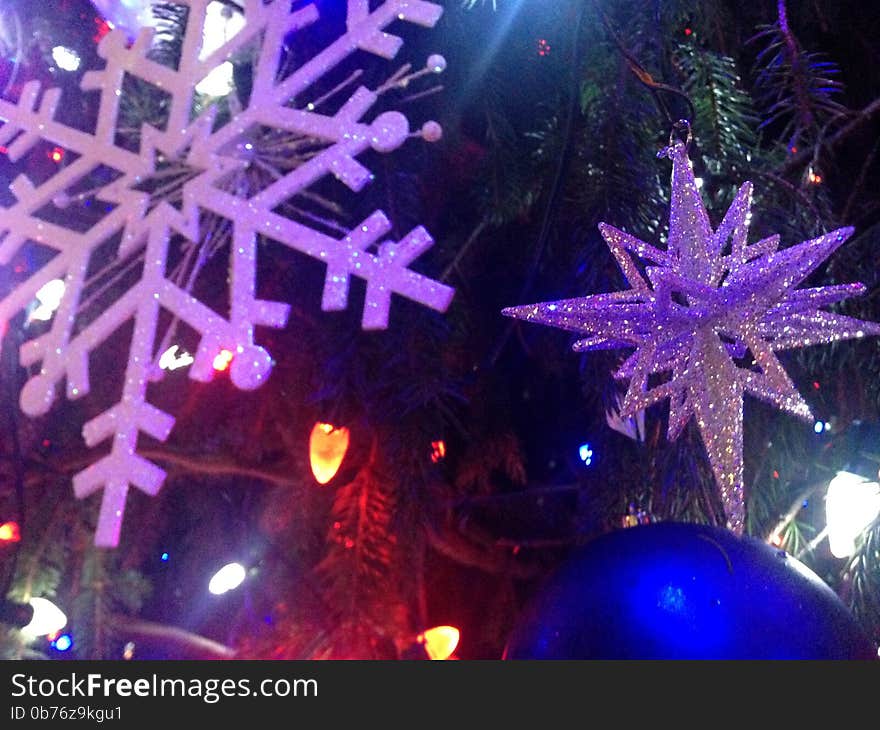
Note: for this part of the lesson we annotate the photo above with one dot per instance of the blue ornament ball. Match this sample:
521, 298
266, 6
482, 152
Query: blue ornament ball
685, 591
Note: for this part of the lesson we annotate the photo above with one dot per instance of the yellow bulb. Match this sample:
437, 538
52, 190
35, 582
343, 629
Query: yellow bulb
440, 642
327, 448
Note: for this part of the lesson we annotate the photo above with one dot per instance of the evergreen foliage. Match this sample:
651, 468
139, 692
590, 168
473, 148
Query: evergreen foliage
536, 153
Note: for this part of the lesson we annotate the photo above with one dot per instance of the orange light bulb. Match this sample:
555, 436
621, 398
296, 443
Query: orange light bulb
327, 447
440, 642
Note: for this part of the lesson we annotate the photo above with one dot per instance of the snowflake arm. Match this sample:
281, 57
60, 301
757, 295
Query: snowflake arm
144, 226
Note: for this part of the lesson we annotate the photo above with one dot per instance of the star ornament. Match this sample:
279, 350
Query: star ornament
706, 317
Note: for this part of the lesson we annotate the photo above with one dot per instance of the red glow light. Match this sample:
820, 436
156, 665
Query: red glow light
102, 29
57, 154
438, 450
543, 47
9, 532
688, 31
222, 360
775, 474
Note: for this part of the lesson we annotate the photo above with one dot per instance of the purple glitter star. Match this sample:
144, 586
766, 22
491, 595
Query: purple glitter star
701, 306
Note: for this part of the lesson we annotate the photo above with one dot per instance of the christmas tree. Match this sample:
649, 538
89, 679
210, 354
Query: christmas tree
379, 457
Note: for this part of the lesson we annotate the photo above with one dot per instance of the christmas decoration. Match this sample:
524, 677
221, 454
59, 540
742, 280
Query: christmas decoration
228, 578
63, 642
852, 503
440, 642
685, 591
127, 15
46, 619
212, 158
636, 516
706, 302
327, 447
10, 532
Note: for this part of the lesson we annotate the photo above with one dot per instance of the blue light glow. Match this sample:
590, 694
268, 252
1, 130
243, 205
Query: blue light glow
164, 557
63, 642
586, 454
677, 599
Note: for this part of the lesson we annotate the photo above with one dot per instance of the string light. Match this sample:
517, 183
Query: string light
170, 360
66, 58
228, 578
10, 532
852, 503
438, 451
63, 642
219, 82
222, 360
48, 299
47, 618
440, 642
586, 454
327, 448
543, 47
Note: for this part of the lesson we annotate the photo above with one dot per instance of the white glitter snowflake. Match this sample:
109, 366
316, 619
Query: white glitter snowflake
211, 157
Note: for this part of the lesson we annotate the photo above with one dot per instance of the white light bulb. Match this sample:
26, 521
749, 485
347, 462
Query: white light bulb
66, 58
49, 297
221, 24
170, 360
47, 619
218, 82
851, 504
228, 578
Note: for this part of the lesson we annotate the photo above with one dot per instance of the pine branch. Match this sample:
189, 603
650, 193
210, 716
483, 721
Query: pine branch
357, 575
196, 463
857, 121
795, 87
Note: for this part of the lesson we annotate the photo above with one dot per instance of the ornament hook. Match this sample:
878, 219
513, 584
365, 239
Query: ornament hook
682, 125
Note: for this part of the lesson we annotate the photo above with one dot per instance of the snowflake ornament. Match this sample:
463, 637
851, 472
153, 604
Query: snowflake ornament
209, 161
707, 316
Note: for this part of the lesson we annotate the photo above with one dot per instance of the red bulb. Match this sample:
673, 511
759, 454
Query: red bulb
102, 29
57, 154
438, 450
688, 31
9, 532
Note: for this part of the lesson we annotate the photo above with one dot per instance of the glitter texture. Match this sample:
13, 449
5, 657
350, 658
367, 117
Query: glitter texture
216, 157
707, 316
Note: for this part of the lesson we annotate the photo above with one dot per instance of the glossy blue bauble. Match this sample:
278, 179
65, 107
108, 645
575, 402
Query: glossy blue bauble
685, 591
